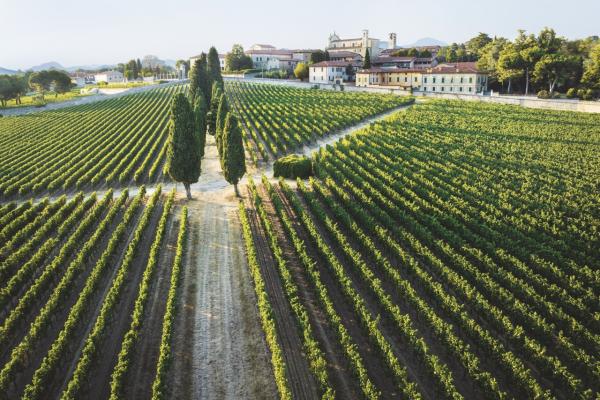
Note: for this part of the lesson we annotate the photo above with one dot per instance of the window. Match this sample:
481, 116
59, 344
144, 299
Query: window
443, 80
405, 79
470, 89
470, 79
460, 88
425, 80
461, 79
451, 89
442, 88
433, 88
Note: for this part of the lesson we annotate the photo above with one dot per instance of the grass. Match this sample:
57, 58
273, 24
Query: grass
50, 97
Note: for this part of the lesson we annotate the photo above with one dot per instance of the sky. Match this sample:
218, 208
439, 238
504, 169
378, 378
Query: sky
79, 32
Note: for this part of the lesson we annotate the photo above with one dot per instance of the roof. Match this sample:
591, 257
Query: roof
274, 52
306, 50
344, 53
458, 67
389, 70
331, 64
392, 59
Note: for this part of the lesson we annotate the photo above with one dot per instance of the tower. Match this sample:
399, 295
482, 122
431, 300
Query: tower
365, 42
392, 40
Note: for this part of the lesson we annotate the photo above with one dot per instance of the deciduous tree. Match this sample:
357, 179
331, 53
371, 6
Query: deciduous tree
237, 60
301, 71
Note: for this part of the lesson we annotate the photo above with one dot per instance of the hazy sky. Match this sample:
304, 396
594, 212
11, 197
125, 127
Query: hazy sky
109, 31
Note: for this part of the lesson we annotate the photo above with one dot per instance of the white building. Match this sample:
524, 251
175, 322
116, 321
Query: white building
109, 77
269, 59
330, 72
221, 61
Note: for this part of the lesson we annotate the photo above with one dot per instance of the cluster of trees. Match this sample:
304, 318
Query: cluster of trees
149, 66
13, 87
237, 59
529, 62
203, 111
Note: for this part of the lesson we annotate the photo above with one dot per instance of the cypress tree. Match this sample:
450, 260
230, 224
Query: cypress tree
139, 65
200, 111
367, 61
198, 79
233, 159
222, 111
214, 67
214, 107
183, 153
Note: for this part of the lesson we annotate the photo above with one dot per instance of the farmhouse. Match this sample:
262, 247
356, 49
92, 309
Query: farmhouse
331, 72
109, 77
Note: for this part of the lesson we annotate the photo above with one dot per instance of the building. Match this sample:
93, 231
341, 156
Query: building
393, 78
262, 47
330, 72
109, 77
359, 45
459, 78
303, 55
348, 56
269, 58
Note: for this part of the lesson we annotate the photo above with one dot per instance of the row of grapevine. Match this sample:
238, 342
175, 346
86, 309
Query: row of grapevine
112, 142
281, 119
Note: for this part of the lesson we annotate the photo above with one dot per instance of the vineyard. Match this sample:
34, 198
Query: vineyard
101, 144
449, 251
80, 277
279, 120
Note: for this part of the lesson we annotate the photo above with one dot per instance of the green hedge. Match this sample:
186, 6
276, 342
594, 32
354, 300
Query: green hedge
293, 166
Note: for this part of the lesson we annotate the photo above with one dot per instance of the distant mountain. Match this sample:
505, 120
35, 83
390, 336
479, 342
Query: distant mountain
91, 67
4, 71
426, 42
47, 66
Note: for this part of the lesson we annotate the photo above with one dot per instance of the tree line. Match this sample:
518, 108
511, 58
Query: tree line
13, 87
545, 62
204, 110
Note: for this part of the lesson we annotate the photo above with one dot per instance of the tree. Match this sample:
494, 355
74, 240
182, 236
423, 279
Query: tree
216, 92
183, 152
237, 60
198, 79
60, 81
222, 111
200, 111
213, 67
591, 73
12, 87
301, 71
530, 53
318, 56
367, 60
350, 70
554, 69
475, 45
233, 158
40, 82
489, 55
510, 65
139, 66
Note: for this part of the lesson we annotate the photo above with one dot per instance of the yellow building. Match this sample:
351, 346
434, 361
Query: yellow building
444, 78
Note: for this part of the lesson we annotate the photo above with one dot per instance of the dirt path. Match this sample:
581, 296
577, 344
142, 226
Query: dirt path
219, 347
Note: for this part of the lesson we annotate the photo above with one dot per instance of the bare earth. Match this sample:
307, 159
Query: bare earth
220, 352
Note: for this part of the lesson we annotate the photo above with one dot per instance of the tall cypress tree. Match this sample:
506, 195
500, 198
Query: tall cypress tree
200, 111
214, 67
198, 79
233, 159
367, 61
183, 153
214, 107
139, 65
222, 111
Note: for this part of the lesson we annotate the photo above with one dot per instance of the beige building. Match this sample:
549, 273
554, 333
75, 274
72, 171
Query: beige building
358, 45
445, 78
